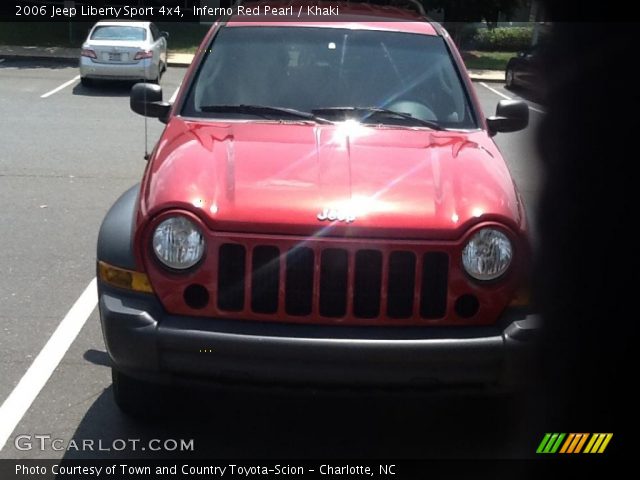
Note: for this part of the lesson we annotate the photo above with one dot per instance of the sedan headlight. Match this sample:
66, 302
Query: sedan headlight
487, 254
178, 243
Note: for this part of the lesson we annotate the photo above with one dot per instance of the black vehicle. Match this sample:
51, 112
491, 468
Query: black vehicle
525, 71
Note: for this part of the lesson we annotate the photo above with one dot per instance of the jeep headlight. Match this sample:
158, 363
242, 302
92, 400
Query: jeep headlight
178, 243
487, 255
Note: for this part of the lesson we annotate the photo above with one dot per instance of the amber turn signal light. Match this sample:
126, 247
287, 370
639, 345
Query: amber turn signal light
122, 278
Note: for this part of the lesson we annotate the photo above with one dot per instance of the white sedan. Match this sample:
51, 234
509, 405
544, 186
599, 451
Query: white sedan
123, 51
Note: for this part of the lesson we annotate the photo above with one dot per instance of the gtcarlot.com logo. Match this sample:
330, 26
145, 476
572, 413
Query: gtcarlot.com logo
574, 443
44, 442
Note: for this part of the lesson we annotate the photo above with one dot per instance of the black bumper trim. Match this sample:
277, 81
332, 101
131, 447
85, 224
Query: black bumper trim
146, 342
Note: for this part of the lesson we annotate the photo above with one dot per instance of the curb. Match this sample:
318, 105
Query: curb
479, 78
178, 63
479, 75
40, 57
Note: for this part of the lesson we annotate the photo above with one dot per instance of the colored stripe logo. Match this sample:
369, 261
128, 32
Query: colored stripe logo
574, 443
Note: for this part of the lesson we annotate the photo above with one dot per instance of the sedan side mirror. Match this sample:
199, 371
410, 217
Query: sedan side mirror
165, 35
146, 100
511, 116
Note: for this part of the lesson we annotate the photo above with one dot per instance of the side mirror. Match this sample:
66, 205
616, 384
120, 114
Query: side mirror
146, 100
511, 116
165, 35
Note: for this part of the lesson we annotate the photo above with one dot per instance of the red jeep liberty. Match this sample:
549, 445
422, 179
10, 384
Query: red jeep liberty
325, 207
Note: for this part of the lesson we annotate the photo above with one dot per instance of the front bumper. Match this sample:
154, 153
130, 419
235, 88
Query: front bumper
147, 343
143, 69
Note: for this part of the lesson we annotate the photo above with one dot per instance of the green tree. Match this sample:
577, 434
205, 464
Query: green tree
459, 12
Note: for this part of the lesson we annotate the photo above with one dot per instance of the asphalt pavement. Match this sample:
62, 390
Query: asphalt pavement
67, 153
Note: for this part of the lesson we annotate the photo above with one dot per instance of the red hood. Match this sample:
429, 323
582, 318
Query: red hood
276, 178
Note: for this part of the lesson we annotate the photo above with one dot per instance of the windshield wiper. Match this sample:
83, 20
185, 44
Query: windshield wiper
369, 112
263, 111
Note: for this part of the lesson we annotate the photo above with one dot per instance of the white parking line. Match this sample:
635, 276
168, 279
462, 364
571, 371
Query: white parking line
175, 94
64, 85
497, 92
36, 377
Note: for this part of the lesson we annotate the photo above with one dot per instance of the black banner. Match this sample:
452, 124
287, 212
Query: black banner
206, 11
288, 469
323, 10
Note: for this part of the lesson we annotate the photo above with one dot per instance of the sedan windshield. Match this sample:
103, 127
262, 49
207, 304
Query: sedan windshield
119, 33
380, 77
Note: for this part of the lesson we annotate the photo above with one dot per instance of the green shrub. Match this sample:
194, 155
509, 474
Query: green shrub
465, 36
503, 39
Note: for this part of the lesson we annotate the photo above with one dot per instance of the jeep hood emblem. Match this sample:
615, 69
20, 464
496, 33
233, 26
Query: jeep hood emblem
333, 215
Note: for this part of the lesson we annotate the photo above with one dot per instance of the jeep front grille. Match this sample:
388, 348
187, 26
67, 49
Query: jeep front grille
332, 282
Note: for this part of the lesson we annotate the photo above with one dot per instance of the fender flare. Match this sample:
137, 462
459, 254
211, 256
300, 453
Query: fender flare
115, 240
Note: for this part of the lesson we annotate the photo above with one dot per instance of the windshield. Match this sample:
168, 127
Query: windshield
319, 69
119, 33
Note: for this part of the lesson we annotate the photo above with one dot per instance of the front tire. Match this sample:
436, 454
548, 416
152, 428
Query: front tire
509, 78
136, 398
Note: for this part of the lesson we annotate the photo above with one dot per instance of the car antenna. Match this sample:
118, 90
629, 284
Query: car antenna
146, 142
146, 136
